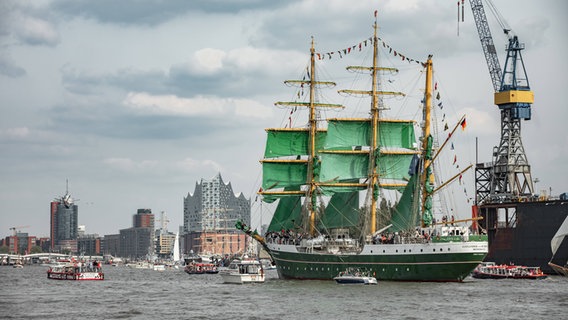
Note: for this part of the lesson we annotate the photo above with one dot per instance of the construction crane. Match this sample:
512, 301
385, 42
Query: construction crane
509, 176
15, 230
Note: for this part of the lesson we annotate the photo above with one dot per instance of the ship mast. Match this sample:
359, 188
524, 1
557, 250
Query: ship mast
373, 188
312, 144
426, 177
373, 182
307, 157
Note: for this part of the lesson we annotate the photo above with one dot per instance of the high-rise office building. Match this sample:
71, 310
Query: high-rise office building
64, 223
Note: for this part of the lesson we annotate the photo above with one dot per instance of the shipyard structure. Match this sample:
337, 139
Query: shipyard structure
209, 217
519, 221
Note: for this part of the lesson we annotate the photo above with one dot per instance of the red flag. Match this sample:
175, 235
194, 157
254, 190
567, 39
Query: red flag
455, 159
463, 124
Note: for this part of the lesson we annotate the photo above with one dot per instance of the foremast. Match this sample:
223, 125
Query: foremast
306, 157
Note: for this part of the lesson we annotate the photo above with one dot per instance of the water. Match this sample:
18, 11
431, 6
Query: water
146, 294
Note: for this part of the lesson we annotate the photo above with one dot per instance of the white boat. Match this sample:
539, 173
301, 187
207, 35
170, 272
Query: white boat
141, 265
355, 276
75, 271
243, 271
159, 267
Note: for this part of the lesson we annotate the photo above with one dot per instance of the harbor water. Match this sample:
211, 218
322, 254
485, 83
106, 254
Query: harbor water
128, 293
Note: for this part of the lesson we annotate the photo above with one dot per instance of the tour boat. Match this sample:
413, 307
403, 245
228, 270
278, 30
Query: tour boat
489, 270
201, 268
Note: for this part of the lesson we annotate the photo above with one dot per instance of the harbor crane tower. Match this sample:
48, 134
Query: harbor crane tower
508, 177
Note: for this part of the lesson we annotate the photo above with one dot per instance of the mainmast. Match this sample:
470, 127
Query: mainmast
373, 178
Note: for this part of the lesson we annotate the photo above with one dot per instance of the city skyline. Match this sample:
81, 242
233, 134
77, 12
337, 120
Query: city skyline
134, 106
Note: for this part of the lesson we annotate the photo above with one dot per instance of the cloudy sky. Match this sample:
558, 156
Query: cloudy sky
135, 101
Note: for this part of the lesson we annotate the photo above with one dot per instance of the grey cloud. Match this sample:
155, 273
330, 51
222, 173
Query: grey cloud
7, 68
154, 12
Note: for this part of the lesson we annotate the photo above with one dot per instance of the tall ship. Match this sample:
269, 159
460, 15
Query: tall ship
319, 172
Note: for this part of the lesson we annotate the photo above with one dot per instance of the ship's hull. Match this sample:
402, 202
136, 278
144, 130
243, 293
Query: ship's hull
526, 240
444, 261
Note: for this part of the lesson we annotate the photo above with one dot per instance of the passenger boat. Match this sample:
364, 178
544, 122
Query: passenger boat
74, 272
489, 270
201, 268
318, 168
244, 270
355, 276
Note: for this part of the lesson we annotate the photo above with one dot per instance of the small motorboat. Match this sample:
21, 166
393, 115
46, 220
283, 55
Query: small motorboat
355, 276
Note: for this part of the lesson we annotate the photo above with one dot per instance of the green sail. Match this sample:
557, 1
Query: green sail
342, 211
287, 215
283, 174
343, 166
290, 142
404, 215
343, 134
394, 166
397, 134
346, 133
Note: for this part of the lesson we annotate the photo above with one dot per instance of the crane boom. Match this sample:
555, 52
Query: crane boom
487, 43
